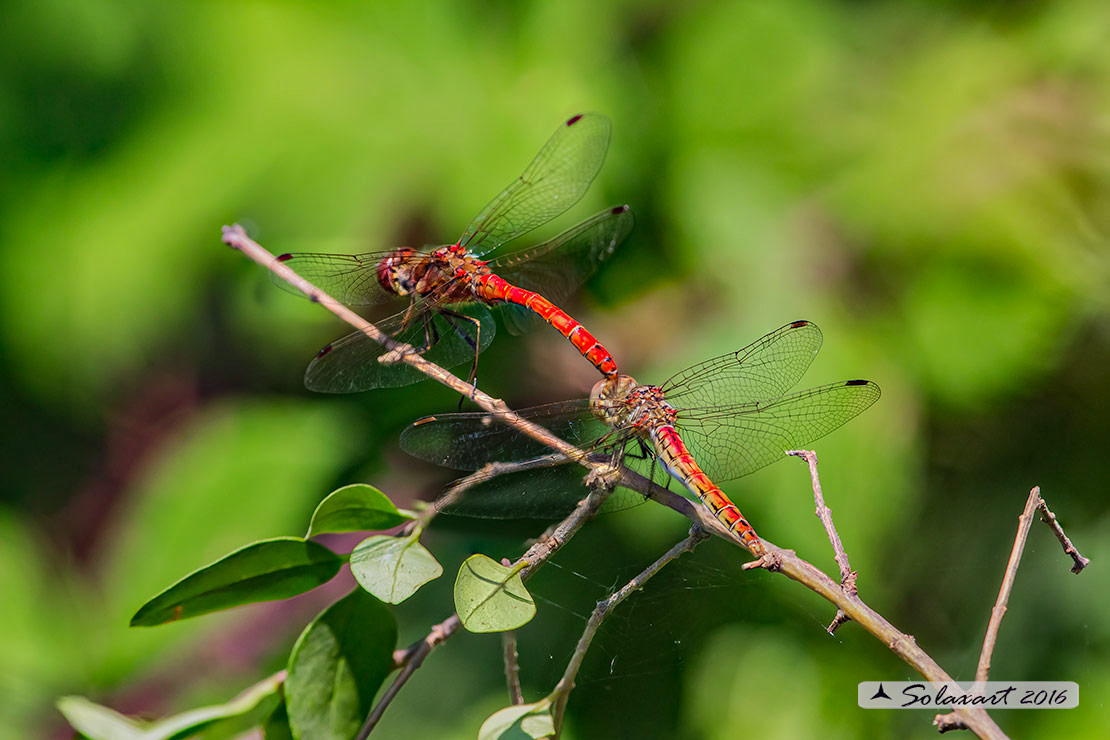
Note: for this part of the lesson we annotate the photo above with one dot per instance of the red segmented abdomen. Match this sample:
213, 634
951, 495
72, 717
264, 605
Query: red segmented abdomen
674, 454
492, 288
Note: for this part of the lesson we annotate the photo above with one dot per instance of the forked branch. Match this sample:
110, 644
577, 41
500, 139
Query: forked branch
1033, 503
847, 575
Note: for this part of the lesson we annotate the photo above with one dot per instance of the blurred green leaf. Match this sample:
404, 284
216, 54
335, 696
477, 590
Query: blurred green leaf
336, 667
393, 568
276, 726
355, 508
97, 722
490, 597
261, 571
519, 722
187, 724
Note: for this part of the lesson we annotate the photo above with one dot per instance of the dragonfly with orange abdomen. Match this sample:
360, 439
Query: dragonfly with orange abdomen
718, 420
449, 288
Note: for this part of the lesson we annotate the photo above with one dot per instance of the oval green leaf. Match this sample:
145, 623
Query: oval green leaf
97, 722
261, 571
490, 597
355, 508
393, 568
519, 722
337, 666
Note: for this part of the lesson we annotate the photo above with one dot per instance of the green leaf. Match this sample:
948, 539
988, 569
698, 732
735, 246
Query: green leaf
355, 508
277, 725
96, 722
337, 666
393, 568
519, 722
262, 571
490, 597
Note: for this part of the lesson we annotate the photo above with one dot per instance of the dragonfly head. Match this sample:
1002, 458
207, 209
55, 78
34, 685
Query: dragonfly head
607, 399
396, 273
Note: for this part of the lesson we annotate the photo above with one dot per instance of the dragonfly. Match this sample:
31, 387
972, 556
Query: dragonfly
716, 421
449, 288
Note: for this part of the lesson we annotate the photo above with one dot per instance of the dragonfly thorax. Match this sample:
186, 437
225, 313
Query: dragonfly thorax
443, 272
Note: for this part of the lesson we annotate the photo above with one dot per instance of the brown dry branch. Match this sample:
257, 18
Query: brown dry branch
824, 513
778, 559
408, 661
1033, 503
1049, 518
561, 694
1025, 521
512, 667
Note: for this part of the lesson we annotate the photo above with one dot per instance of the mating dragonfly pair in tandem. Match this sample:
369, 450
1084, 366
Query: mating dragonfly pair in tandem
716, 421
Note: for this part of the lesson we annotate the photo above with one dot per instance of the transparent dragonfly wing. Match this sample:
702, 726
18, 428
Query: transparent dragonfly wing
351, 279
558, 267
732, 441
542, 485
766, 368
549, 491
555, 180
350, 364
467, 441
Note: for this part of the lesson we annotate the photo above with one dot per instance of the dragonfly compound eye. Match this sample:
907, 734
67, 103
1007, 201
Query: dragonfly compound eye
608, 397
395, 272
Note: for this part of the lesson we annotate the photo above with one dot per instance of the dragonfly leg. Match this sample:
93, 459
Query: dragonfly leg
431, 336
475, 343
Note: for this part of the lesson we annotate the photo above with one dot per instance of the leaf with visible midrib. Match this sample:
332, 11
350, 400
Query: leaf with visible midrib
336, 667
355, 508
393, 568
490, 597
262, 571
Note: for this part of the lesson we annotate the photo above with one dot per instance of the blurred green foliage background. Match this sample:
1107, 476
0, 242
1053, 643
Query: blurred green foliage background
929, 182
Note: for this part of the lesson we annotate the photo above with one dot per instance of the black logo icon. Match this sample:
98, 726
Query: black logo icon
880, 694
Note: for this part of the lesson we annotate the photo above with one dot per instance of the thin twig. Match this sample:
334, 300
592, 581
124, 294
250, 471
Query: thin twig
824, 513
1033, 503
512, 666
417, 653
785, 561
1049, 518
489, 471
1025, 521
562, 690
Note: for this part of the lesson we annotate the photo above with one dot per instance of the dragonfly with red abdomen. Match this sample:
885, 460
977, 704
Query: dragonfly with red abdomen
718, 420
449, 288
